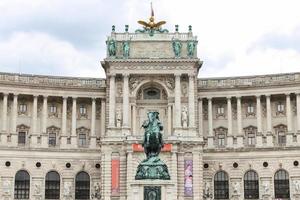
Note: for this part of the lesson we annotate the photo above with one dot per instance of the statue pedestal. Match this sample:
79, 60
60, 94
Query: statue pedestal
167, 189
266, 197
236, 197
152, 168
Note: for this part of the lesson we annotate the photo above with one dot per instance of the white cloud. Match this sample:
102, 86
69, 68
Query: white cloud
31, 52
263, 61
226, 30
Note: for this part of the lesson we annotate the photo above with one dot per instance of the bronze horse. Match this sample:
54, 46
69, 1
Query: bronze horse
153, 142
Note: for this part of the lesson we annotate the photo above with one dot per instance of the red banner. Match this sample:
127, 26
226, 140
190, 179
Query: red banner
115, 177
140, 148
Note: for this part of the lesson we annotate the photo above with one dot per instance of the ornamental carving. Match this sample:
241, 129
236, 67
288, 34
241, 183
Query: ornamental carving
134, 82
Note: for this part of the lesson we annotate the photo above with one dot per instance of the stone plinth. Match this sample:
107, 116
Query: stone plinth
168, 189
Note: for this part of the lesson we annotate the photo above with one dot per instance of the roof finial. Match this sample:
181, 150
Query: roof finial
152, 11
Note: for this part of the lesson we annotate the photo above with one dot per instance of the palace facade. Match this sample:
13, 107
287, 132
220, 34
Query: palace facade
79, 138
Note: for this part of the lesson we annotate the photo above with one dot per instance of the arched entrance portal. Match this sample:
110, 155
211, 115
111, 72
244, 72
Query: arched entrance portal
151, 96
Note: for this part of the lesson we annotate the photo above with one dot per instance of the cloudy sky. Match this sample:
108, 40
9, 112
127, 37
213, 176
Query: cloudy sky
67, 37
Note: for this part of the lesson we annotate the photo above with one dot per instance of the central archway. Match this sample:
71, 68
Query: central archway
151, 96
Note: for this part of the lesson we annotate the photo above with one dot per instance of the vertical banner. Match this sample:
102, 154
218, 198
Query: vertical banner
115, 177
188, 178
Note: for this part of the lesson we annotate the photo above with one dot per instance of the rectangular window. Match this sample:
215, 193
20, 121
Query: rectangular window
22, 108
251, 139
221, 140
280, 107
22, 138
52, 139
281, 138
82, 139
53, 109
220, 110
250, 109
82, 110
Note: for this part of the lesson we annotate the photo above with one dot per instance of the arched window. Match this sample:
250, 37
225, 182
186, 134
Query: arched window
151, 93
52, 185
221, 185
282, 183
251, 185
22, 185
82, 186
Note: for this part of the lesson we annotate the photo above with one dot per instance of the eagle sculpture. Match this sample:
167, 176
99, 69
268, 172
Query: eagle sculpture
151, 24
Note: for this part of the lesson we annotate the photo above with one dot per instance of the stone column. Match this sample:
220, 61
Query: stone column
129, 174
177, 101
13, 129
112, 101
134, 119
169, 119
34, 121
229, 123
191, 99
4, 119
74, 122
289, 137
107, 175
44, 134
269, 121
240, 136
210, 137
259, 138
180, 175
298, 117
125, 101
93, 124
174, 171
103, 117
64, 123
200, 107
197, 175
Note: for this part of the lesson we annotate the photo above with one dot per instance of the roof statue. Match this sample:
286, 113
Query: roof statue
151, 27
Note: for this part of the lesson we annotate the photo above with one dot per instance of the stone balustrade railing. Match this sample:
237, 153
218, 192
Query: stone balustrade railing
156, 36
249, 81
52, 81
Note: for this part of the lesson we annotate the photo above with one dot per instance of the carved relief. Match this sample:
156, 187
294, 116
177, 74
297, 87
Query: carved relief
67, 192
234, 111
119, 90
119, 116
236, 188
205, 112
98, 111
184, 89
170, 83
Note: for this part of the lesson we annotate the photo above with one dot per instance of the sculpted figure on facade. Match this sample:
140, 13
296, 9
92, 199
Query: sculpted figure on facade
96, 193
184, 117
266, 188
126, 49
6, 187
112, 47
207, 191
37, 189
297, 186
177, 47
67, 190
191, 47
236, 188
119, 117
